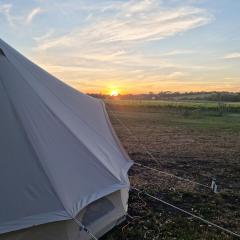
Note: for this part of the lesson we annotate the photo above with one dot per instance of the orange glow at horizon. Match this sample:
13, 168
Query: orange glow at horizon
114, 93
125, 85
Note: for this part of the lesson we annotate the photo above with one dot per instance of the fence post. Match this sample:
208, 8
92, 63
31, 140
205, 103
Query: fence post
214, 185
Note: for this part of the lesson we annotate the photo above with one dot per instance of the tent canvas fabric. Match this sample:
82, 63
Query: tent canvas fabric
58, 151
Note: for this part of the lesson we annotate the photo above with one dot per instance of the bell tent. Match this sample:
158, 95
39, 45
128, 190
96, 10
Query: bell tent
61, 164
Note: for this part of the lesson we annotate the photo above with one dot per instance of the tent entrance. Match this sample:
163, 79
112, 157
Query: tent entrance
99, 217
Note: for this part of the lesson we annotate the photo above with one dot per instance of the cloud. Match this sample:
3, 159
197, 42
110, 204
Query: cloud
232, 79
45, 36
112, 38
235, 55
176, 75
107, 47
15, 19
5, 10
135, 21
179, 52
33, 13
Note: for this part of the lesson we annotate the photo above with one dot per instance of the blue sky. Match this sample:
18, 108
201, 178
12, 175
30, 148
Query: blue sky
133, 46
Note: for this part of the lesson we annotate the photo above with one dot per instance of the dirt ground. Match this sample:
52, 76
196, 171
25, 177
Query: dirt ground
195, 147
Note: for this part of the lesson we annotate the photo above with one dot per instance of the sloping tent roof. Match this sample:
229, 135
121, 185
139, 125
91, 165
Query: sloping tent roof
58, 152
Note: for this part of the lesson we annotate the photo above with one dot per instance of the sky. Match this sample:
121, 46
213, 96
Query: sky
134, 46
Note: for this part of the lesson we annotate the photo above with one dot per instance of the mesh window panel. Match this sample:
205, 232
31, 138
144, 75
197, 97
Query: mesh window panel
96, 210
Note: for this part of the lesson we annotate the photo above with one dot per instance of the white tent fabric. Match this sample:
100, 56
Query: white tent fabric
58, 151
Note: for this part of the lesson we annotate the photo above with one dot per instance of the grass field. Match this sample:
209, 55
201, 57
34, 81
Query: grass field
196, 140
178, 105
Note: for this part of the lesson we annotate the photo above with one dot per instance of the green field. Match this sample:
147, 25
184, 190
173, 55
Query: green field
190, 105
191, 114
196, 140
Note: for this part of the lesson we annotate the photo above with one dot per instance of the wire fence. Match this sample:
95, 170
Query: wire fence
209, 223
213, 185
154, 158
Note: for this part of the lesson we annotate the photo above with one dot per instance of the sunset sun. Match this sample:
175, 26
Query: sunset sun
114, 93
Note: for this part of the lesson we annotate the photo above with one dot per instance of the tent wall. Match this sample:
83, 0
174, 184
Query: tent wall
68, 133
99, 216
23, 183
58, 156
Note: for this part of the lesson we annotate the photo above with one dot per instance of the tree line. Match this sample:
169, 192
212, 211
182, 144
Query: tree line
167, 95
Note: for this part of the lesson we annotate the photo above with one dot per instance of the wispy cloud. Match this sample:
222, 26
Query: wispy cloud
139, 44
105, 37
235, 55
45, 36
134, 22
5, 10
18, 19
179, 52
33, 13
177, 75
106, 47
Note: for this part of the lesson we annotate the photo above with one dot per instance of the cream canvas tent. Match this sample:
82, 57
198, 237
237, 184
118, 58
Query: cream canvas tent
59, 157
